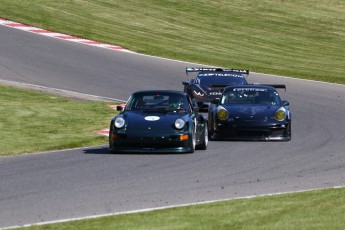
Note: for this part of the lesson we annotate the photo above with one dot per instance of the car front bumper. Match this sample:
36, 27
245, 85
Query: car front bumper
265, 132
149, 143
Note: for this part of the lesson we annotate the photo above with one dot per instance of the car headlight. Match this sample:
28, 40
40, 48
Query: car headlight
280, 114
179, 123
119, 122
222, 114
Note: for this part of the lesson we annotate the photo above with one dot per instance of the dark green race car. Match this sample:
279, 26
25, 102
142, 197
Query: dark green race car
158, 121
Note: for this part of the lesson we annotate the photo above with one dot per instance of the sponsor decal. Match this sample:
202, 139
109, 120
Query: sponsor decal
198, 93
215, 93
197, 69
220, 75
249, 90
152, 118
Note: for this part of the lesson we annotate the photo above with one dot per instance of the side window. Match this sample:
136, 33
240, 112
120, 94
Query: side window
135, 103
276, 98
130, 103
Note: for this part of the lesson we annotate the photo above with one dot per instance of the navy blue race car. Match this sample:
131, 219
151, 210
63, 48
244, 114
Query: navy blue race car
252, 112
210, 82
158, 121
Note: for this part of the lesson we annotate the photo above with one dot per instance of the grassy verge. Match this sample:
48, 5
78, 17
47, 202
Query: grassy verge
322, 209
302, 39
31, 121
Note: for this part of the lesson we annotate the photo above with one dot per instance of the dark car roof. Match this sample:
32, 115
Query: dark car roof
160, 91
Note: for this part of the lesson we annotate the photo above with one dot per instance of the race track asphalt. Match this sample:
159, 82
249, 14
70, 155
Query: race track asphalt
90, 181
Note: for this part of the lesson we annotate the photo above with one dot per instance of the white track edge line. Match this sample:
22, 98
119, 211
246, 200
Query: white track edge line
32, 86
167, 207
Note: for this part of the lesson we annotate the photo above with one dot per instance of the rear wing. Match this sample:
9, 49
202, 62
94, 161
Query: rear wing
274, 86
201, 69
221, 85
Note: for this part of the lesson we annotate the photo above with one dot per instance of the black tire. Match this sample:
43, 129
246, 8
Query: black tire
111, 151
204, 143
210, 133
110, 144
193, 142
289, 132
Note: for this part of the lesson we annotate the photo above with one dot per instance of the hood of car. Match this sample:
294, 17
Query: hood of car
251, 112
151, 121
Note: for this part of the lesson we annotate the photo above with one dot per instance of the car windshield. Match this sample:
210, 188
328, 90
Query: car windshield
259, 96
161, 101
221, 79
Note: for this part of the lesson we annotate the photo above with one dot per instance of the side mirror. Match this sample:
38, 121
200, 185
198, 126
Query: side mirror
215, 101
185, 83
119, 108
285, 103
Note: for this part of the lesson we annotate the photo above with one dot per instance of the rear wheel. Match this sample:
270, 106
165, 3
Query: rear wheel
204, 140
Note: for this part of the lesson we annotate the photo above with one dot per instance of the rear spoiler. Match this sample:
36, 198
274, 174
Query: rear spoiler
275, 86
221, 85
199, 69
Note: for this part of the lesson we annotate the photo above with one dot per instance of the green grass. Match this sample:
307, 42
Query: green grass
323, 209
31, 121
304, 39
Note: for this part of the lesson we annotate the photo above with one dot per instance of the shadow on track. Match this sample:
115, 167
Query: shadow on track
97, 150
105, 151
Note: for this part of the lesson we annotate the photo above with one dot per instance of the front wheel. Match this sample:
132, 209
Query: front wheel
193, 142
289, 132
210, 133
111, 142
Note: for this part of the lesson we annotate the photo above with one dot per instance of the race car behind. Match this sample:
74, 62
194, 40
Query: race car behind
210, 82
